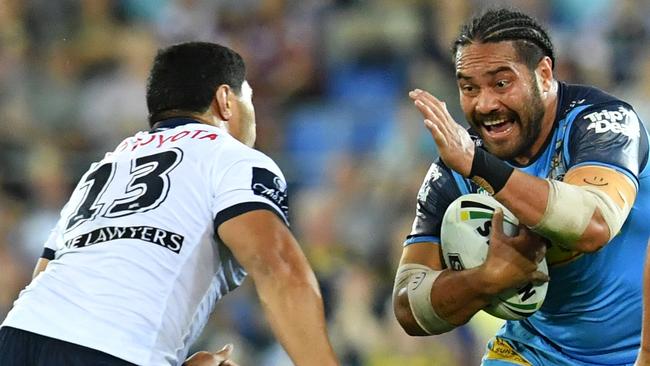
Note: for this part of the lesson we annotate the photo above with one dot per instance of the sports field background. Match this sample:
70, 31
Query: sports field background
330, 80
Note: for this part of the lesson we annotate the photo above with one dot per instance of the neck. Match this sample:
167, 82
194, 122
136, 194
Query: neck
550, 110
205, 118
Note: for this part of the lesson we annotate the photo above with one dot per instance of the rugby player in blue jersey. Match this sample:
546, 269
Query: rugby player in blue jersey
571, 162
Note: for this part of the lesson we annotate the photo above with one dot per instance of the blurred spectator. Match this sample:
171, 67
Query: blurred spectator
13, 274
49, 189
113, 105
186, 20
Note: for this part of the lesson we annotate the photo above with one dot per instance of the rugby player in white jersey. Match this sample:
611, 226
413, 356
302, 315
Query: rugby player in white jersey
164, 226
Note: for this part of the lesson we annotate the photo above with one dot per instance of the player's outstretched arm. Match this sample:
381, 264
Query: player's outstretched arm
428, 299
285, 284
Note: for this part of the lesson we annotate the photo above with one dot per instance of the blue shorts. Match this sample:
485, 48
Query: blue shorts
22, 348
527, 350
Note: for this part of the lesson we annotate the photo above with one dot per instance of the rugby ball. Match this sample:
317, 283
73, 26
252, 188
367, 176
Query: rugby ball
464, 237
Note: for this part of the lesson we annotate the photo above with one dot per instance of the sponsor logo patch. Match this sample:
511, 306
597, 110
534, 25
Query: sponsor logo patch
268, 185
503, 351
614, 121
164, 238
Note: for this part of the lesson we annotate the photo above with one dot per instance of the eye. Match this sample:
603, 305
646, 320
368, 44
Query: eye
468, 89
502, 84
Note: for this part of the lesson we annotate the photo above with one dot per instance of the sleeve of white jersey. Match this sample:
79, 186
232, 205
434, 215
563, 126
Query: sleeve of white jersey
251, 183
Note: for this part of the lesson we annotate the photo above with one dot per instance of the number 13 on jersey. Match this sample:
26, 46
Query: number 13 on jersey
147, 189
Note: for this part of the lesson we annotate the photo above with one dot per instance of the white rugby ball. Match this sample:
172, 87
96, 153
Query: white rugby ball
464, 237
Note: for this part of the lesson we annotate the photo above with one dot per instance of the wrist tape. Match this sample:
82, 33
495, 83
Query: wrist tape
489, 172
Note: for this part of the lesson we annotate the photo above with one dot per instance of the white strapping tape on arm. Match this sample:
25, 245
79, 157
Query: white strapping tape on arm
569, 209
419, 280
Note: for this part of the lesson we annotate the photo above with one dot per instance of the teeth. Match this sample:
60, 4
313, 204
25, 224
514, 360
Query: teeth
494, 122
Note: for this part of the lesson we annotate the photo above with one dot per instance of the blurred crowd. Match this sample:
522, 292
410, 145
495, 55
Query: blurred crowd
330, 79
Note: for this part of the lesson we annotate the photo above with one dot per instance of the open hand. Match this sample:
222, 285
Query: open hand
455, 146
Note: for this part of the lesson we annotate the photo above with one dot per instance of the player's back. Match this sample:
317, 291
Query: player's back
137, 267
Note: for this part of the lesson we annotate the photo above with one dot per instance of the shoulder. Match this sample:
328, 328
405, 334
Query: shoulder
606, 130
233, 152
438, 187
576, 96
591, 110
607, 119
437, 192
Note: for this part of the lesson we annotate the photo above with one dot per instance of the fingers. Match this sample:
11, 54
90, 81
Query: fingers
228, 363
497, 223
432, 108
541, 254
538, 278
219, 358
446, 111
431, 112
531, 243
225, 351
436, 132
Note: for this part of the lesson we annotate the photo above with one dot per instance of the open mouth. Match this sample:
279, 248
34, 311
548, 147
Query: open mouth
498, 127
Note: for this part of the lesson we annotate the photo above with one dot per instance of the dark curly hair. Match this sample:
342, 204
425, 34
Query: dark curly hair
185, 76
530, 39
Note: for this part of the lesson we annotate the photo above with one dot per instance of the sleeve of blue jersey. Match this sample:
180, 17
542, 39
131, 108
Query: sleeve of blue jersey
609, 135
437, 192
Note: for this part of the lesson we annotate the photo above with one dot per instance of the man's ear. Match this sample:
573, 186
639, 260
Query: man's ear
223, 104
545, 73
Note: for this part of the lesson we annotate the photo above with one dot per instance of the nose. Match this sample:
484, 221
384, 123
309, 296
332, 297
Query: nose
486, 102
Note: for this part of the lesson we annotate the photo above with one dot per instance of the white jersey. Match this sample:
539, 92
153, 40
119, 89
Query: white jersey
136, 264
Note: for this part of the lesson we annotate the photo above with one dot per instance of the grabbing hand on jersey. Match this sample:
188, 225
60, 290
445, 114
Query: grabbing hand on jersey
204, 358
512, 261
455, 146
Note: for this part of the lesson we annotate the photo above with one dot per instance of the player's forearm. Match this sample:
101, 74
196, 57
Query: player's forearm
293, 305
455, 297
527, 197
285, 284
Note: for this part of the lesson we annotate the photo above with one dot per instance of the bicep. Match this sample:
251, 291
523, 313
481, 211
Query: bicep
618, 186
261, 242
426, 253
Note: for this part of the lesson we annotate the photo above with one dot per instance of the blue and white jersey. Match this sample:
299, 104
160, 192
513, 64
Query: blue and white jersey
136, 263
592, 311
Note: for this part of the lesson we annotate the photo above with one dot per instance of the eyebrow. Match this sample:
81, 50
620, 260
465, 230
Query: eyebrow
460, 75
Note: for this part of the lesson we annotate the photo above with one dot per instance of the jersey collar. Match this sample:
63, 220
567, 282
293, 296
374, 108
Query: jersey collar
166, 124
